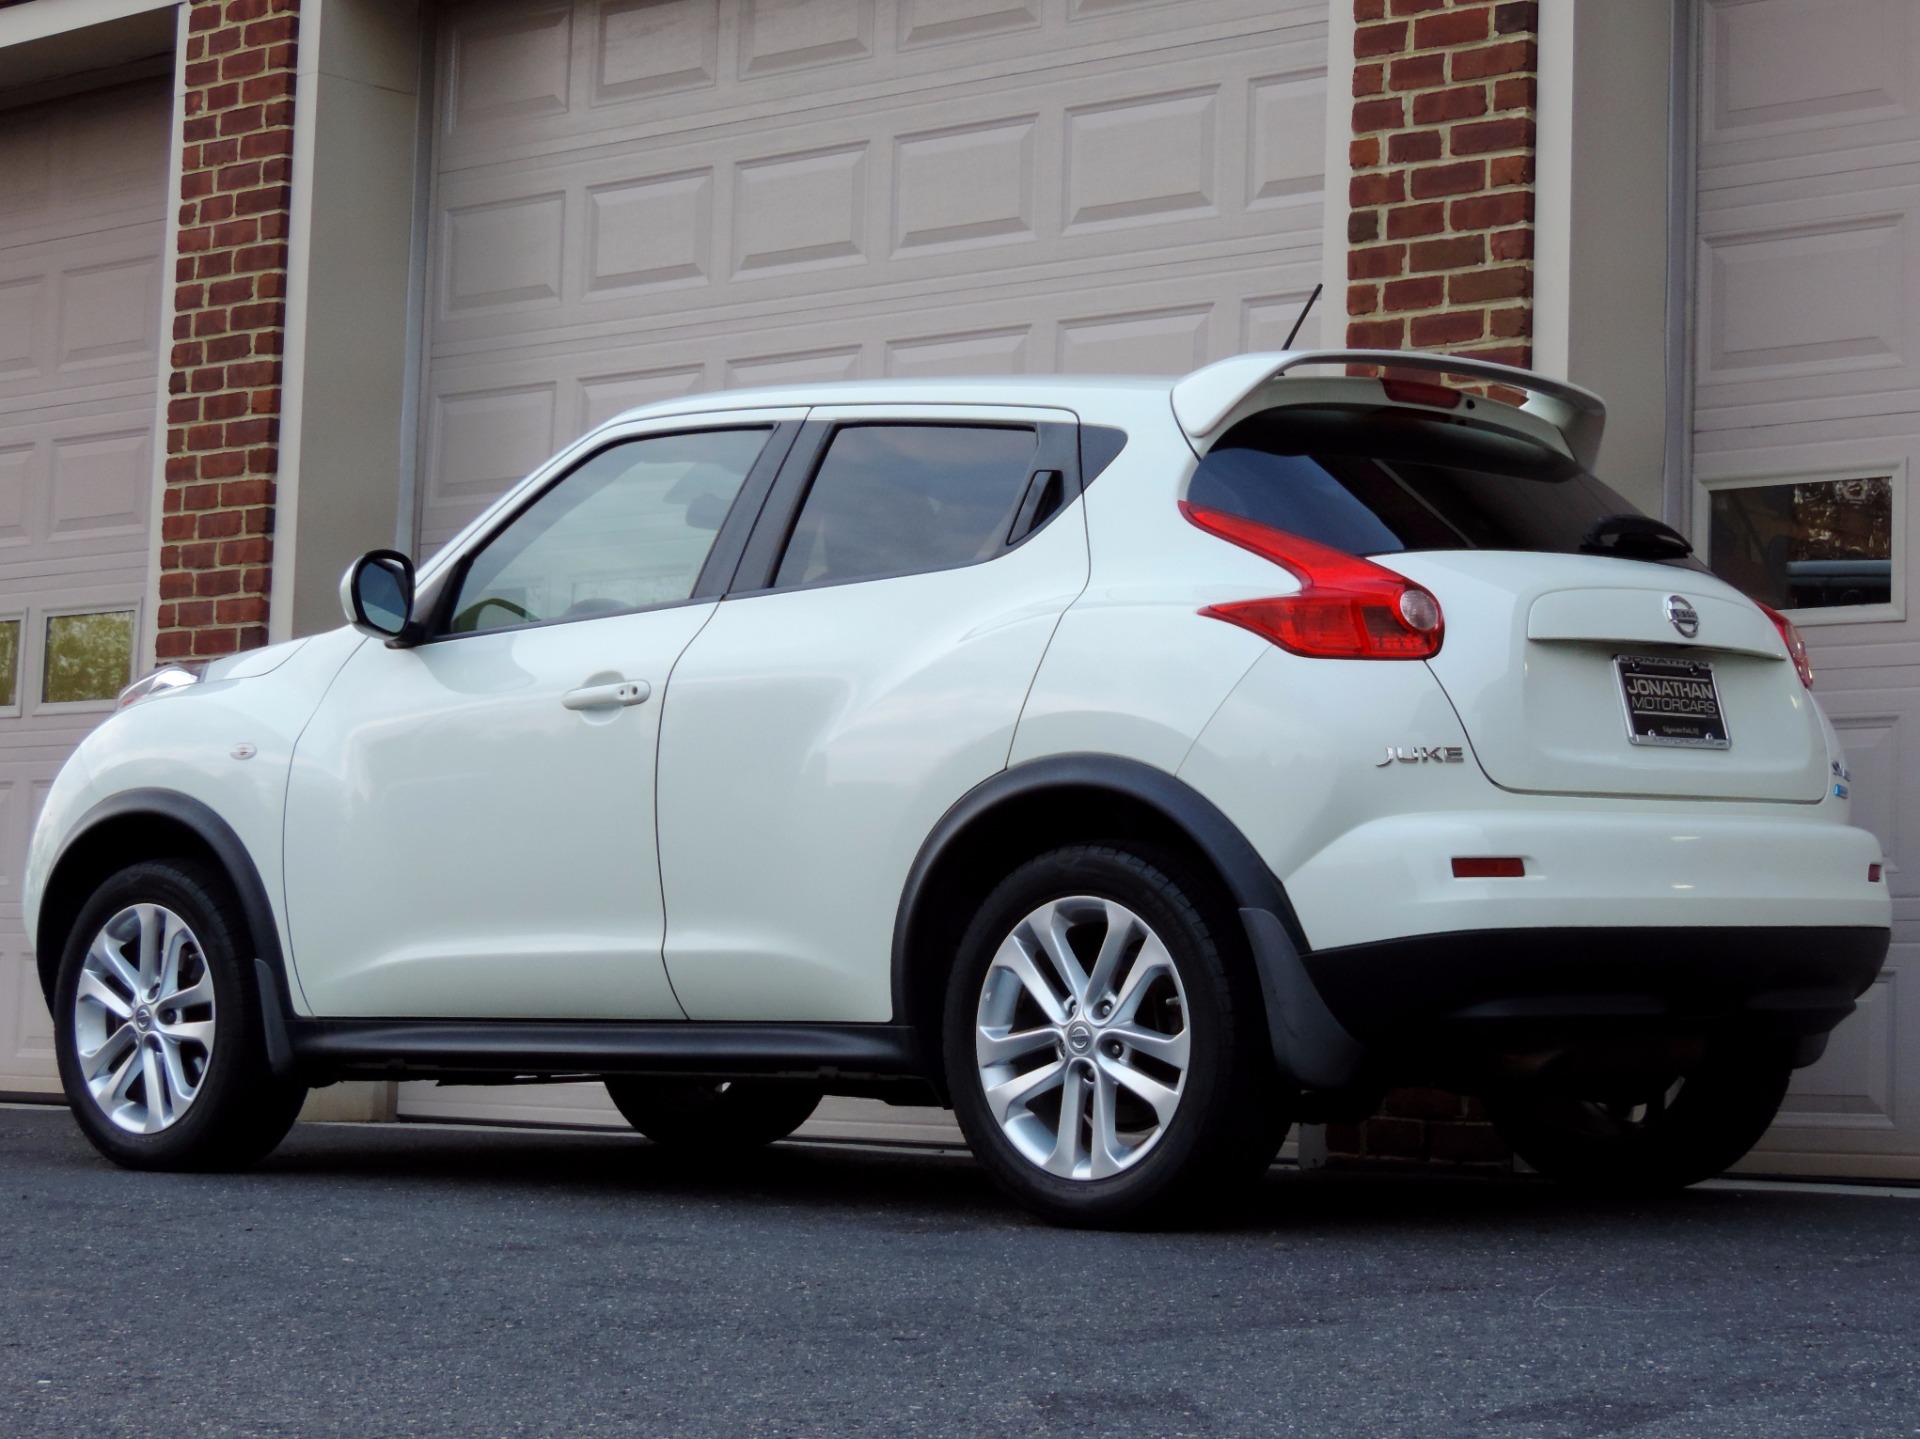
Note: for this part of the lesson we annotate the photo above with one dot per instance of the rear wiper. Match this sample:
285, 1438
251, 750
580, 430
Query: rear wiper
1635, 537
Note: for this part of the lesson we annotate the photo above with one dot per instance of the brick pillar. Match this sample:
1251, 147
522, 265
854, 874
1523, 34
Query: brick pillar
1440, 229
229, 318
1440, 257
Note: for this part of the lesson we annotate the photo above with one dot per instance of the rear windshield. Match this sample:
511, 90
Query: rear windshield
1373, 481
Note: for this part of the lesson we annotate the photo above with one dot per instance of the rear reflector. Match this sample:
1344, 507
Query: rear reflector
1873, 874
1480, 867
1347, 608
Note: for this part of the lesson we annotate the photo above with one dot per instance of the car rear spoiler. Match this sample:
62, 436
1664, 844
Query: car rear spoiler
1204, 400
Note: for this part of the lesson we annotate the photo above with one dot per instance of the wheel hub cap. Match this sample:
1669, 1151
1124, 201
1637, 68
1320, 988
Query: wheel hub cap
143, 1019
1081, 1038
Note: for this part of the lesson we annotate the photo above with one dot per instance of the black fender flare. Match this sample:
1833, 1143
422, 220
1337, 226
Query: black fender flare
269, 963
1310, 1046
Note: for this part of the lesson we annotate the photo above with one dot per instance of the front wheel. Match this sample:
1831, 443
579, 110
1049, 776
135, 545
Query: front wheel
1101, 1041
713, 1116
157, 1025
1658, 1135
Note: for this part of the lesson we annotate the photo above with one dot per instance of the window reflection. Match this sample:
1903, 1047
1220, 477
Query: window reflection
89, 657
9, 663
1801, 545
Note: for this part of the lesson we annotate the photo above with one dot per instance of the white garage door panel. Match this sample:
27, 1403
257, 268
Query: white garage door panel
636, 201
82, 196
1808, 348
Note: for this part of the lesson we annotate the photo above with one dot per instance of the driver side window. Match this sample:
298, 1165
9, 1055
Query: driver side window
627, 530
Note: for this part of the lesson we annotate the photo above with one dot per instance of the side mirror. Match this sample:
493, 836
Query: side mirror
377, 593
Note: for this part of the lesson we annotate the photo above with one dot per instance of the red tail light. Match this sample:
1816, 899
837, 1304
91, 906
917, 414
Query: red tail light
1348, 608
1796, 646
1488, 867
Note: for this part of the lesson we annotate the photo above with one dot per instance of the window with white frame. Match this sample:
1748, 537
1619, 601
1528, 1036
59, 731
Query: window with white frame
1823, 547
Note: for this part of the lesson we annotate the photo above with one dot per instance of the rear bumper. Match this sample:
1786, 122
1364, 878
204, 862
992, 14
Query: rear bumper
1506, 1000
1609, 868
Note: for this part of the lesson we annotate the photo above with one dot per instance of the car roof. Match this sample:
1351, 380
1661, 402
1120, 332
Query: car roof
1079, 393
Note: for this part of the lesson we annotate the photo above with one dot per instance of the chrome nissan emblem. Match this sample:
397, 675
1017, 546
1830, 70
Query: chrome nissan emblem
1683, 616
1079, 1038
143, 1019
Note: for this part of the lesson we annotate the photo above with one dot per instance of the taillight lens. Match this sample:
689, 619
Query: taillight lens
1348, 608
1796, 646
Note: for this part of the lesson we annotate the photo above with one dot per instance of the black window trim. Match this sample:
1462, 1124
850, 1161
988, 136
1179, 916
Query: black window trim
435, 598
1058, 448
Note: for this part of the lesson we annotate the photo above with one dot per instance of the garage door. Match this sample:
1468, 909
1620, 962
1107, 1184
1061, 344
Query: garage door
1808, 431
636, 199
82, 200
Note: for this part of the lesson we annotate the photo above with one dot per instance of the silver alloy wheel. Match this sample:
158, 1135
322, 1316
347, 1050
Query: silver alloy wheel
143, 1023
1081, 1037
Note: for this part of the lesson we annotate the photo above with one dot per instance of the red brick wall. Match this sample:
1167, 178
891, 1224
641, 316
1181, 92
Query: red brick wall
1440, 227
1440, 257
230, 272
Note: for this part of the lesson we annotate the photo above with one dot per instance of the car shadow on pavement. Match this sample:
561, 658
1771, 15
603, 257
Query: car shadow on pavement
943, 1186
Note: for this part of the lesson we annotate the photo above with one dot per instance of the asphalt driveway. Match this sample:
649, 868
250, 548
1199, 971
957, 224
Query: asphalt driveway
412, 1280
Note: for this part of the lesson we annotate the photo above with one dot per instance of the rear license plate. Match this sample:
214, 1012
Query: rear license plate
1671, 702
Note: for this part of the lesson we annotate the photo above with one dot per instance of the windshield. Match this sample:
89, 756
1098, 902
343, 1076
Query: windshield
1375, 480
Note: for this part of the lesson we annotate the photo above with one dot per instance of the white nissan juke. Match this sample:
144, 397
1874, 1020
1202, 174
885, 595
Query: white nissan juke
1137, 767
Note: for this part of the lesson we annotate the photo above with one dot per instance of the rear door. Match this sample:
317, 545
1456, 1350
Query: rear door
893, 607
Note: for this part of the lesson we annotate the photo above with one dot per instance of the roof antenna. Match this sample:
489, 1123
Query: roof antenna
1303, 316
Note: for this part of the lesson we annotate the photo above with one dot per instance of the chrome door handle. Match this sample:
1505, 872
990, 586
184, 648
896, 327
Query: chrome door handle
596, 697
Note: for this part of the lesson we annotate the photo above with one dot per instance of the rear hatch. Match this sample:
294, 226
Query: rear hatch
1584, 651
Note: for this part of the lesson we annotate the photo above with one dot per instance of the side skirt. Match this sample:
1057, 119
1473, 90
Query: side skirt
507, 1050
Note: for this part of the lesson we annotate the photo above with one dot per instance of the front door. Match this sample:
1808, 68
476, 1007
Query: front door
470, 823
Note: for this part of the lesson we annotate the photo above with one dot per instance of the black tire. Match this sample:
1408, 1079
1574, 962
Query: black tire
1663, 1136
238, 1110
1230, 1117
713, 1117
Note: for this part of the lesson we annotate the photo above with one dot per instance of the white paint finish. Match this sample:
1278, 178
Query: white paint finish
1804, 298
460, 843
965, 187
655, 47
82, 201
1393, 878
942, 22
801, 212
651, 232
164, 744
24, 24
1150, 578
886, 182
1142, 160
1808, 327
811, 740
792, 34
1777, 66
1549, 718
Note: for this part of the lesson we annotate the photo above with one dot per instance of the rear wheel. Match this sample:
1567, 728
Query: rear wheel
1097, 1044
157, 1025
713, 1116
1662, 1134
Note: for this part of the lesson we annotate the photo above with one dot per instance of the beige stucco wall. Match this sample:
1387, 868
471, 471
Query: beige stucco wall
1601, 267
350, 252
